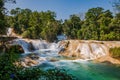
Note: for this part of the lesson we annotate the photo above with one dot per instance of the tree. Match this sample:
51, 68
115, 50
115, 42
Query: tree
91, 23
35, 24
2, 20
116, 5
2, 15
93, 14
71, 26
98, 24
19, 19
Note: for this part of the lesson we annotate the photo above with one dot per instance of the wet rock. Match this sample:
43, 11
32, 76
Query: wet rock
31, 48
53, 59
27, 61
33, 56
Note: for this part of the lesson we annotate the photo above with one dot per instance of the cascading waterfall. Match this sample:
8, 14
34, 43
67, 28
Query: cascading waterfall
37, 45
9, 31
82, 50
97, 50
25, 45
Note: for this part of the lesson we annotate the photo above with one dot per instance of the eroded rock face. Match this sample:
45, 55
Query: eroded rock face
11, 33
86, 49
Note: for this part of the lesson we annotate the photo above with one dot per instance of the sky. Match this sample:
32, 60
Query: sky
62, 8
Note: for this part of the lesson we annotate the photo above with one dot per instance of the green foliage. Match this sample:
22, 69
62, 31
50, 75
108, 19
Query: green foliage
59, 74
15, 48
36, 73
99, 24
35, 24
6, 65
29, 74
2, 15
116, 4
115, 52
2, 20
71, 26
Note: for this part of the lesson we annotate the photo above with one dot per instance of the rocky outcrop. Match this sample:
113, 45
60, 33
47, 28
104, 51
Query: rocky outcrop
11, 33
29, 60
86, 49
107, 59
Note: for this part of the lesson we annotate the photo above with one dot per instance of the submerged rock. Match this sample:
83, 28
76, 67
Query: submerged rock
53, 59
27, 61
33, 56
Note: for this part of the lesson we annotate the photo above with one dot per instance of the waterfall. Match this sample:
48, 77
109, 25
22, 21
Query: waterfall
37, 45
42, 45
66, 50
9, 31
87, 50
97, 50
84, 49
25, 45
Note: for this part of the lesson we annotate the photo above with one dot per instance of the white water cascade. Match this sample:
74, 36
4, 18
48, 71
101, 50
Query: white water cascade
25, 45
63, 51
37, 45
87, 50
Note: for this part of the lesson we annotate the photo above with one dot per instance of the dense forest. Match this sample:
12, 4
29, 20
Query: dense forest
98, 24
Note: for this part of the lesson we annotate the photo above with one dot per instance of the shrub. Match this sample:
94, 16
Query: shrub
115, 52
7, 68
35, 73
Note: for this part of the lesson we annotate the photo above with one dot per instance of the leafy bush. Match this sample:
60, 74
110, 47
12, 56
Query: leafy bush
16, 49
36, 73
59, 74
7, 67
115, 52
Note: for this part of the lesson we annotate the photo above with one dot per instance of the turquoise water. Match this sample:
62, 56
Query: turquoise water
86, 70
92, 71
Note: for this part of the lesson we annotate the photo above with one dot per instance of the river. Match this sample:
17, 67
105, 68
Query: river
82, 69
